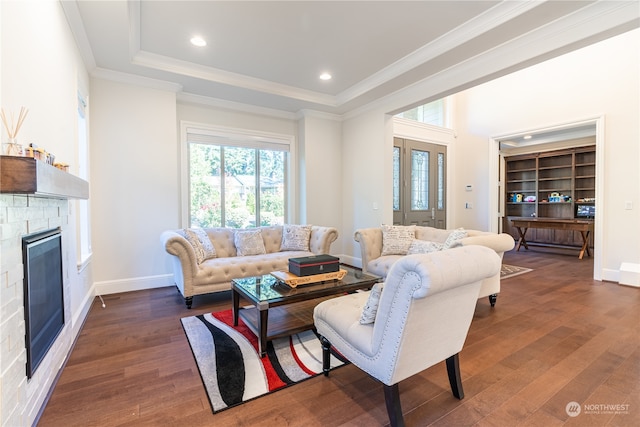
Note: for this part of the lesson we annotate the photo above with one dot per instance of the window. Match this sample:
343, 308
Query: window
237, 178
433, 113
82, 206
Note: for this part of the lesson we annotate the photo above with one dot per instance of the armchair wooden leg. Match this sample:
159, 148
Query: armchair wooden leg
326, 355
453, 370
394, 409
188, 301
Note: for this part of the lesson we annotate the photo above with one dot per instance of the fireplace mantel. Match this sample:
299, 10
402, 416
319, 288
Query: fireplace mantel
25, 175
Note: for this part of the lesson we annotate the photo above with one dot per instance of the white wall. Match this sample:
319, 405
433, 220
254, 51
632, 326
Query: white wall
134, 183
599, 79
320, 149
367, 144
602, 79
41, 69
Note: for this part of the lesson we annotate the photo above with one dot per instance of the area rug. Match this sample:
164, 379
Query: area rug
232, 370
507, 271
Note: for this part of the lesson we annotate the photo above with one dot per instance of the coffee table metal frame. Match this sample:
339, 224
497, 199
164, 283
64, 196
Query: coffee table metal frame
266, 294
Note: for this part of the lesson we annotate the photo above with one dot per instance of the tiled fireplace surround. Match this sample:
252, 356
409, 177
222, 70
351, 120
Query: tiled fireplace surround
20, 215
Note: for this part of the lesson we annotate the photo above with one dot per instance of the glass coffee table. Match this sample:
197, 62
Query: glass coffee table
279, 310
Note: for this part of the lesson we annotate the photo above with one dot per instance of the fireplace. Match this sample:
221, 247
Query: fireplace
43, 294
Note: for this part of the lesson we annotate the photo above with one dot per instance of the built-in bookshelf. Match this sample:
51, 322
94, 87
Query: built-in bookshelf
549, 185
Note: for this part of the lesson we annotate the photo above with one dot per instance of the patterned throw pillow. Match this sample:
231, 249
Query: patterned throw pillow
201, 243
396, 239
249, 242
295, 237
424, 247
453, 240
371, 307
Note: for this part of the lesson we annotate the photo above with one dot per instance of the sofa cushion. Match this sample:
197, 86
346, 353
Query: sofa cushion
201, 244
295, 237
424, 247
455, 238
371, 307
396, 239
249, 242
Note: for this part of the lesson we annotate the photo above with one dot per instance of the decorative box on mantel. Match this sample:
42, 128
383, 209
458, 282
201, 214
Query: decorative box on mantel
26, 175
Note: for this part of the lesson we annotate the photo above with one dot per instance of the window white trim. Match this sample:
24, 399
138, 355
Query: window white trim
83, 207
220, 135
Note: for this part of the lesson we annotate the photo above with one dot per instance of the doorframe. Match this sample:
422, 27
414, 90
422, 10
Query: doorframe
497, 211
423, 132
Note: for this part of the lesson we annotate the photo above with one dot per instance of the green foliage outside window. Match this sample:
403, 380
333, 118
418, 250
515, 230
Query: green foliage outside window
238, 208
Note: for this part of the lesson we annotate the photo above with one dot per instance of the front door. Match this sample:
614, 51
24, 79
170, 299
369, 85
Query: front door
419, 183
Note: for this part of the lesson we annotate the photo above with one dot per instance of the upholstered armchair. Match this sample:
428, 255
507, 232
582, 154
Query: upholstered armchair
422, 317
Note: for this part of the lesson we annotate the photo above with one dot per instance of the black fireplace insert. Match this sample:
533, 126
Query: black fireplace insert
43, 294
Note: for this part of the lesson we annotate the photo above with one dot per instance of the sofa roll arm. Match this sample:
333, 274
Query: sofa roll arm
175, 244
370, 240
322, 238
500, 243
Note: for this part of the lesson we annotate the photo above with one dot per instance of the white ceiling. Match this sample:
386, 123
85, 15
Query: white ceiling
270, 54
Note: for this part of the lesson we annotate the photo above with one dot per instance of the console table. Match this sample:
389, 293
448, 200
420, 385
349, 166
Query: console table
585, 227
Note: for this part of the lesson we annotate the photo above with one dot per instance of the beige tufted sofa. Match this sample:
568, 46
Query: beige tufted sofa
370, 240
215, 274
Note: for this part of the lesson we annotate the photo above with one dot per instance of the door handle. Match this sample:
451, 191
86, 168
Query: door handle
433, 213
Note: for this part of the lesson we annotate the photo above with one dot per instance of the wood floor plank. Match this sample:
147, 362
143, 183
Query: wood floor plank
554, 336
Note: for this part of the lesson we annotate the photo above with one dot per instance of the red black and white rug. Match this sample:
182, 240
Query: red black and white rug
232, 370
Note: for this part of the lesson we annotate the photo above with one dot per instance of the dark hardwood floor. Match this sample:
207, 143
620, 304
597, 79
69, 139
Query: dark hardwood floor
554, 337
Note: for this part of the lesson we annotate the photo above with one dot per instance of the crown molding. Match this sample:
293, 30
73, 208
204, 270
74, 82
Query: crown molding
490, 19
306, 113
132, 79
613, 17
71, 12
189, 69
190, 98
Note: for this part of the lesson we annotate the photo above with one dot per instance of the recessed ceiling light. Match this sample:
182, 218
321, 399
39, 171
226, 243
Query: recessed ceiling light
198, 41
526, 137
325, 76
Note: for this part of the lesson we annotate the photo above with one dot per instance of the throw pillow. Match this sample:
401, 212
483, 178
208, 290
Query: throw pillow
371, 307
453, 240
423, 247
201, 243
295, 237
249, 242
396, 239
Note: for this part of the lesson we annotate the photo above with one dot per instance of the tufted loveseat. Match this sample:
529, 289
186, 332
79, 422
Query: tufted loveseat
371, 243
215, 274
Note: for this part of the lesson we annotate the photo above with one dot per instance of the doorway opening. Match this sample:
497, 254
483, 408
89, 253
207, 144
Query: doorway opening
566, 136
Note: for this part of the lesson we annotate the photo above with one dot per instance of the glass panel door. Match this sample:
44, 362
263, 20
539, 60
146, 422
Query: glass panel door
419, 183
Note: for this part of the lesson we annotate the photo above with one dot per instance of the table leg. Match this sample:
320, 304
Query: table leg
235, 306
522, 240
585, 244
263, 316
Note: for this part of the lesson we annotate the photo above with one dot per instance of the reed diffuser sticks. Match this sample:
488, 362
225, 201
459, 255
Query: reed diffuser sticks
14, 127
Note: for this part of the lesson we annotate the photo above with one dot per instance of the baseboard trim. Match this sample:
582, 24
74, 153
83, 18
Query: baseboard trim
134, 284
